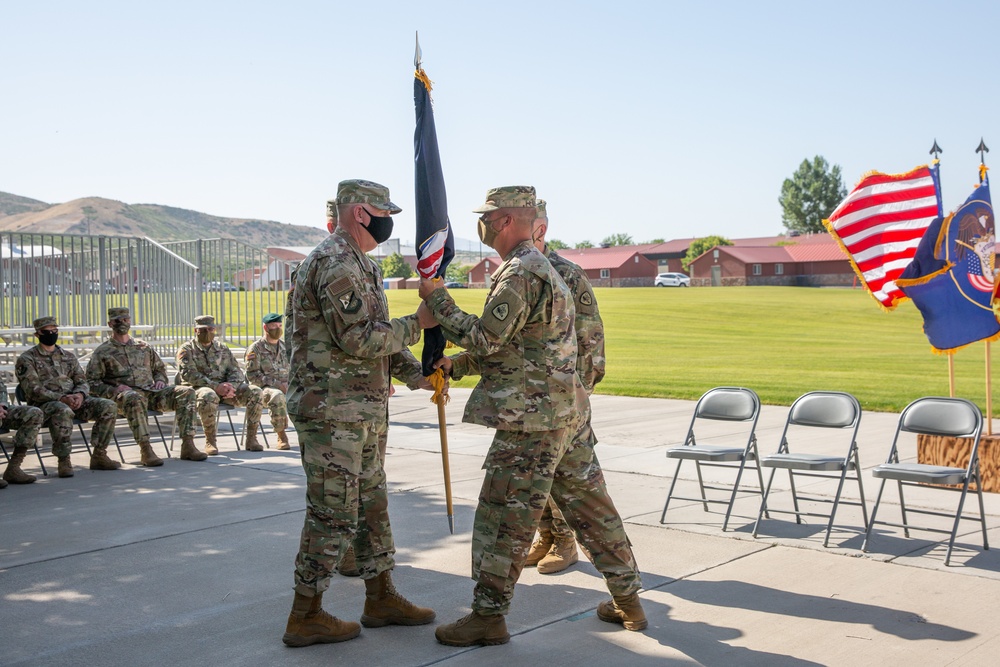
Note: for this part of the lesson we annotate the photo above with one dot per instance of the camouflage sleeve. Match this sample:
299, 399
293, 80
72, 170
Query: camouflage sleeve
233, 373
255, 375
187, 369
157, 366
504, 315
464, 364
351, 326
80, 385
590, 360
3, 395
27, 376
96, 374
405, 367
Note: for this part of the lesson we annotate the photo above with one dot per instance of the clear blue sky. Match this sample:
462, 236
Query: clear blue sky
654, 119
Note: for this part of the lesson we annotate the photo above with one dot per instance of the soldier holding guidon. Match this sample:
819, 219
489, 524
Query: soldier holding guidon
267, 369
131, 373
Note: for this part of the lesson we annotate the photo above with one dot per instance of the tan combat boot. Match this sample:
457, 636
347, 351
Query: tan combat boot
309, 624
210, 448
13, 473
282, 440
250, 443
385, 606
624, 609
99, 460
474, 629
348, 565
65, 467
191, 453
539, 548
560, 556
147, 457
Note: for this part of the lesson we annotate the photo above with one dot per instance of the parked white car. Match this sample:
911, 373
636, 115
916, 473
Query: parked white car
672, 280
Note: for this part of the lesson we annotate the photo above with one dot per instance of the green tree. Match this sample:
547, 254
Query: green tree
394, 266
617, 239
652, 241
810, 195
556, 244
584, 244
699, 246
458, 272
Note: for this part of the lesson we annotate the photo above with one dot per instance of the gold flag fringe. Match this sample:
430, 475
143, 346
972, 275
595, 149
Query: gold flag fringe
424, 79
440, 385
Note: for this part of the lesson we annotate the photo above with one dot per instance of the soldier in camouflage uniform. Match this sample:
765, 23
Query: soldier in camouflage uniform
210, 367
26, 421
555, 548
524, 349
52, 379
267, 369
344, 351
131, 373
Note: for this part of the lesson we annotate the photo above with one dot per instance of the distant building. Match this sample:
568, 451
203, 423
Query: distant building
814, 263
618, 266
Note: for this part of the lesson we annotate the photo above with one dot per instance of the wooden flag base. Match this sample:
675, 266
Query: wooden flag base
941, 450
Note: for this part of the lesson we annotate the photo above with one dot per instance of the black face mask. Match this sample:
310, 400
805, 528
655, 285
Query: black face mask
121, 328
48, 338
380, 228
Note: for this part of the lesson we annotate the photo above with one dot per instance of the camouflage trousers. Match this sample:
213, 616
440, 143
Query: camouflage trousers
554, 522
25, 421
523, 469
346, 502
206, 404
59, 419
133, 405
274, 400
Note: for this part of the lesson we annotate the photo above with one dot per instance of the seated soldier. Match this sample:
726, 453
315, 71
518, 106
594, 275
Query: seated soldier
25, 421
267, 368
129, 372
211, 369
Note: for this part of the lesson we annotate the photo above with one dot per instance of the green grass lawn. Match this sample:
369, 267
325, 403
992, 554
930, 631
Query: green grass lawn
779, 341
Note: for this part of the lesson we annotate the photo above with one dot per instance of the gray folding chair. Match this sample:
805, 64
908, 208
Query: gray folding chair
19, 395
932, 415
826, 410
730, 404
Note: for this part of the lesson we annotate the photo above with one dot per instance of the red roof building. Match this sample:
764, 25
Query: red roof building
812, 263
617, 266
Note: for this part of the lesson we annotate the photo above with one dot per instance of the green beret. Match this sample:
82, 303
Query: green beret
271, 317
509, 196
43, 322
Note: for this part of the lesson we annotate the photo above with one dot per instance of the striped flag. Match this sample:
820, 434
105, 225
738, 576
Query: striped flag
880, 224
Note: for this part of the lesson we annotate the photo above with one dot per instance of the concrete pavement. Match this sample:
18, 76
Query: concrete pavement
191, 563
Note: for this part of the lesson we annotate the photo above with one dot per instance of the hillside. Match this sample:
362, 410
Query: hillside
98, 216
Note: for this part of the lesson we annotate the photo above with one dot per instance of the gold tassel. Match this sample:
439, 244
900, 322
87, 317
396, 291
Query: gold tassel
439, 383
424, 79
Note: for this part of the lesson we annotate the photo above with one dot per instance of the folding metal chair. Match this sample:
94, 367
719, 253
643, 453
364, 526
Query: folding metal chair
19, 395
826, 410
730, 404
4, 431
932, 415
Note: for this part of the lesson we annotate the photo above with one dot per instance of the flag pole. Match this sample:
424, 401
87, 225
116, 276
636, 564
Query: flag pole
951, 375
443, 430
983, 150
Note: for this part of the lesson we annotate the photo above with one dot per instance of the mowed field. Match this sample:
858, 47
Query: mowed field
779, 341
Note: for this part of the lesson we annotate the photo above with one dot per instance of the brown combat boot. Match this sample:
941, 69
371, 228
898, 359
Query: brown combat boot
560, 556
385, 606
309, 624
99, 460
624, 609
65, 467
13, 473
191, 453
210, 447
539, 548
474, 629
282, 440
348, 565
147, 457
250, 443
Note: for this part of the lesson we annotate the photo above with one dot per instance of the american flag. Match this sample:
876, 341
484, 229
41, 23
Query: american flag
880, 224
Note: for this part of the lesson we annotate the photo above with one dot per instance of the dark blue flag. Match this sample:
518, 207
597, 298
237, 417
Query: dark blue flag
951, 276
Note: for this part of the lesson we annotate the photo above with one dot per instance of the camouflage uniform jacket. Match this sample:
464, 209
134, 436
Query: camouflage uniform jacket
523, 347
589, 326
134, 363
48, 376
267, 365
198, 366
343, 344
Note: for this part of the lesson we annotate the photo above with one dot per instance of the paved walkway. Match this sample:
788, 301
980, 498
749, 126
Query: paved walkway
191, 564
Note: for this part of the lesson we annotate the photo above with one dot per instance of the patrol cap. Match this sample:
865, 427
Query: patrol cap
357, 191
509, 196
271, 317
115, 313
204, 321
331, 209
540, 208
43, 322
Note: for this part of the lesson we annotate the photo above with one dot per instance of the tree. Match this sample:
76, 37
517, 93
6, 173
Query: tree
654, 241
810, 195
616, 239
458, 272
584, 244
556, 244
394, 266
699, 246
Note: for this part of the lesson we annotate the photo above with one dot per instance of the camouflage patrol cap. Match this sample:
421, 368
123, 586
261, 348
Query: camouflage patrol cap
540, 209
204, 321
331, 209
43, 322
271, 317
357, 191
115, 313
509, 196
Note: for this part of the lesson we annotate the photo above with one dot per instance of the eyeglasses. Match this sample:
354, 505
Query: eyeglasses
48, 331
